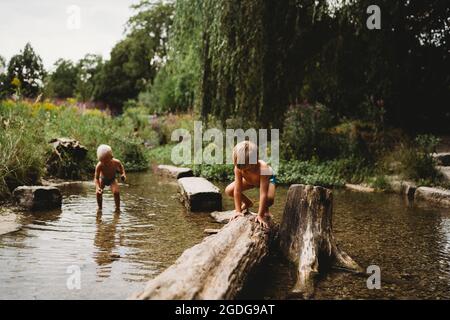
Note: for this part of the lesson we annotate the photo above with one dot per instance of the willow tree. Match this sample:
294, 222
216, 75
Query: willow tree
248, 54
257, 57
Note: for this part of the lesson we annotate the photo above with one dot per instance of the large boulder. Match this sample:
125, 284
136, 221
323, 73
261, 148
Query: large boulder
36, 198
198, 194
66, 158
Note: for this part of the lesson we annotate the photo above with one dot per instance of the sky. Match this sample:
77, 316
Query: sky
62, 28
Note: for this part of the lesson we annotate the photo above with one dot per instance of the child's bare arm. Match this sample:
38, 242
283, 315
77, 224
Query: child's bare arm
263, 192
121, 168
237, 190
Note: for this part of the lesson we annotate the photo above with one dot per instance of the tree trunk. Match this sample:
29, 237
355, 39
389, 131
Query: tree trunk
306, 236
216, 268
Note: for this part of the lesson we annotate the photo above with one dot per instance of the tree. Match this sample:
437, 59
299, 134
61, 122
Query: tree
89, 72
136, 59
3, 90
62, 82
258, 57
25, 69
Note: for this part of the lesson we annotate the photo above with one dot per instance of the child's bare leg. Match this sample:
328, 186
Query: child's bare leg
99, 195
116, 192
270, 200
246, 202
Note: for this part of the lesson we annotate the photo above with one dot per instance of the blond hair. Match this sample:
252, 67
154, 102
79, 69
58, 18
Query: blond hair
245, 154
103, 150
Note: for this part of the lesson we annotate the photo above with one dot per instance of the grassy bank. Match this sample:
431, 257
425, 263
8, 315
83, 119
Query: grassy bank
358, 157
327, 156
26, 129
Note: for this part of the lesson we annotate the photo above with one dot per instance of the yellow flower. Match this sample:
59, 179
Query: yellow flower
16, 82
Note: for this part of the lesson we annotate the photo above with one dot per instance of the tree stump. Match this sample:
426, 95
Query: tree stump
216, 268
306, 236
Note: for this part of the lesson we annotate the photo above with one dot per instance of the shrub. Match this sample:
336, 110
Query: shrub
416, 160
306, 133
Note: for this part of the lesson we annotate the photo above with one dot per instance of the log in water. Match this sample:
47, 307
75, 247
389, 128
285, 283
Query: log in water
216, 268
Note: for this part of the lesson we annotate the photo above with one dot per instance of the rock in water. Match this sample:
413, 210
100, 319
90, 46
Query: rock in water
436, 195
174, 172
198, 194
38, 197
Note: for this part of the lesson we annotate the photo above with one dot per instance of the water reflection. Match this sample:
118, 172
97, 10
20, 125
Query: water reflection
105, 242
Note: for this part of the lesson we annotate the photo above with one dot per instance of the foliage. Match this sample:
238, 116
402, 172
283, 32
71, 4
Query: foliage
62, 82
26, 129
306, 133
89, 69
136, 59
258, 57
29, 71
416, 161
3, 89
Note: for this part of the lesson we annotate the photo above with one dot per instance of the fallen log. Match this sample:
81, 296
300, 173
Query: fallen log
211, 231
198, 194
222, 216
306, 236
216, 268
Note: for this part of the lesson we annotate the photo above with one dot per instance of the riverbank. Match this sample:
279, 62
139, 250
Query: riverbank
27, 128
139, 140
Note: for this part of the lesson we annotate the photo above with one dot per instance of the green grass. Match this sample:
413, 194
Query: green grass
25, 130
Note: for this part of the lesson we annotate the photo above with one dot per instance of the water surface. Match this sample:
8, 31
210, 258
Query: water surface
117, 253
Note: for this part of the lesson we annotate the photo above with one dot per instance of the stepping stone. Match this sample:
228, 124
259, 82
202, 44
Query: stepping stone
198, 194
174, 172
436, 195
36, 198
445, 171
443, 158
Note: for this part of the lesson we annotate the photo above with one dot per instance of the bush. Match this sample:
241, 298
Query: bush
219, 172
21, 150
306, 133
416, 161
